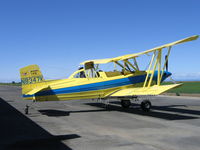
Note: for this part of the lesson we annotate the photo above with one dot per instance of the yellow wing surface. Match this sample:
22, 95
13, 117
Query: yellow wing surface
124, 57
153, 90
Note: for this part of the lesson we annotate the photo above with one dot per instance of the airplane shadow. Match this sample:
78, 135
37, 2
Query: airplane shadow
54, 113
173, 108
18, 132
57, 113
135, 109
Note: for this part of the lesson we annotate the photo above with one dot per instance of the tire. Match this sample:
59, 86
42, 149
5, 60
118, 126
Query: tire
146, 105
125, 103
26, 111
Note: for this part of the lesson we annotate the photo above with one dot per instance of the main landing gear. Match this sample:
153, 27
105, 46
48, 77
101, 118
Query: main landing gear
145, 104
125, 103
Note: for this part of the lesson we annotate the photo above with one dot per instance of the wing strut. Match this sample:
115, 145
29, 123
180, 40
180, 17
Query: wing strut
156, 63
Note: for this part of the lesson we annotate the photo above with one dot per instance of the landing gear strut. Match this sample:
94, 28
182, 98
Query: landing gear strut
145, 105
26, 109
125, 103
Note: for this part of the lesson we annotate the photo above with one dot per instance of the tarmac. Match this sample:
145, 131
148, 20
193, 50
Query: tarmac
172, 124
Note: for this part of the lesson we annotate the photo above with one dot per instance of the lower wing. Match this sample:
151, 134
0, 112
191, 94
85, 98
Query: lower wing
153, 90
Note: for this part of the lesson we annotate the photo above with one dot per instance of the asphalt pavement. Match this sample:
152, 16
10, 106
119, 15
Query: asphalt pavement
172, 124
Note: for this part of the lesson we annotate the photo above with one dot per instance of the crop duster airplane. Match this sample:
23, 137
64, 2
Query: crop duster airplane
90, 82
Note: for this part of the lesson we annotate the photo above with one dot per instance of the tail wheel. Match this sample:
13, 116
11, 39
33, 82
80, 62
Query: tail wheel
125, 103
146, 105
26, 110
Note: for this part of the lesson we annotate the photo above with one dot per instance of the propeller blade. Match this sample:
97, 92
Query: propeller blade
166, 63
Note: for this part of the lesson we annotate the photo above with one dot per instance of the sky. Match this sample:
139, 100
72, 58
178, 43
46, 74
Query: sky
59, 34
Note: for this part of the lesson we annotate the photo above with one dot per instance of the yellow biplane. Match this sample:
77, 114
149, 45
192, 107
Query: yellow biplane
125, 82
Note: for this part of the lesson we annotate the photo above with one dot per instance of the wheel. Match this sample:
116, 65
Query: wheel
146, 105
125, 103
26, 110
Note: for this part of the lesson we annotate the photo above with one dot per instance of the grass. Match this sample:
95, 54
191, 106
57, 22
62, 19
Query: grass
13, 84
192, 87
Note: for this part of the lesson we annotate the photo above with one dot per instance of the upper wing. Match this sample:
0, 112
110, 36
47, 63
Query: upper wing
102, 61
153, 90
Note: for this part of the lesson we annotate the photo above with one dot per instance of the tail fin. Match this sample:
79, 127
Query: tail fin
30, 77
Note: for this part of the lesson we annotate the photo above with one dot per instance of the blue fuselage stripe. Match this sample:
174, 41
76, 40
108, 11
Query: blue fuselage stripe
92, 86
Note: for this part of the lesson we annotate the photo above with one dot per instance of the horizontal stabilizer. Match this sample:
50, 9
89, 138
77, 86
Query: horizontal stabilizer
153, 90
35, 90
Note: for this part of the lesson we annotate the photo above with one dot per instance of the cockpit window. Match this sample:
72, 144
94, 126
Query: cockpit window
80, 74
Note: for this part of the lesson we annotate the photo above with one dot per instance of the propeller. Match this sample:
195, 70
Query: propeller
166, 62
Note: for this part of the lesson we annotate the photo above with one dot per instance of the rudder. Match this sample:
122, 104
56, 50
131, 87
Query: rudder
30, 77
